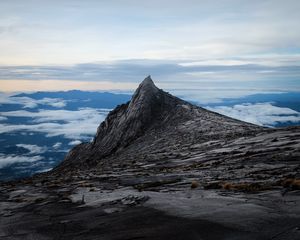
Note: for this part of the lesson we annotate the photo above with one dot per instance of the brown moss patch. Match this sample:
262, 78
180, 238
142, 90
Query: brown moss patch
244, 187
292, 183
194, 184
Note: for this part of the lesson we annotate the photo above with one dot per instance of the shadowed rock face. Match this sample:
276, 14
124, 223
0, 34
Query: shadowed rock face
129, 121
153, 112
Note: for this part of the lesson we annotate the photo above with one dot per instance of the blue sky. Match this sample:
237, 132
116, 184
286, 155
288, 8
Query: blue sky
183, 44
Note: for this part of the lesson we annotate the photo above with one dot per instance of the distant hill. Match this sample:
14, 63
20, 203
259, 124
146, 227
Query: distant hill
77, 98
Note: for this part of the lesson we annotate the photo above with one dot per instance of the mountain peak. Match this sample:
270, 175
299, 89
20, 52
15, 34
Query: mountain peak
146, 88
144, 94
147, 82
153, 112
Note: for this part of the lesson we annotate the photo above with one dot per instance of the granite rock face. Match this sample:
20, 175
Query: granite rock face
160, 167
154, 113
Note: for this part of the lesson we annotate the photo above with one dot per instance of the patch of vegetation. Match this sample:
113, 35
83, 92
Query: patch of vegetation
292, 183
244, 187
194, 184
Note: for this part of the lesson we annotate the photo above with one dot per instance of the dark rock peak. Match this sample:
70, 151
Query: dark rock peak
144, 94
153, 112
129, 121
147, 83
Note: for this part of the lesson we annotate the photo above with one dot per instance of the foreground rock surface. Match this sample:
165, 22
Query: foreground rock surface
161, 168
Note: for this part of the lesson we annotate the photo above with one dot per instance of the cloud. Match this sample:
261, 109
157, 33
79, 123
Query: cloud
75, 142
134, 70
6, 160
157, 30
57, 145
33, 149
32, 103
77, 124
264, 114
210, 95
57, 115
248, 71
54, 102
44, 170
3, 118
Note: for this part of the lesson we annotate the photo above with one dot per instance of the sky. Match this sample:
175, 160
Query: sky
184, 44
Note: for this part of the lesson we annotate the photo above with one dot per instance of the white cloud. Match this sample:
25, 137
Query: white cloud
34, 149
75, 142
266, 60
54, 102
78, 124
28, 102
182, 29
3, 118
44, 170
57, 145
6, 160
264, 114
213, 95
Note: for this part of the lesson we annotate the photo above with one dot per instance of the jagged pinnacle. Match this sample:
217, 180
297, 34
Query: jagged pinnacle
150, 110
147, 83
147, 80
144, 92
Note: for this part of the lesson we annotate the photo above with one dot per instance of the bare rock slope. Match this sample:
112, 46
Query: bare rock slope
157, 118
157, 133
160, 167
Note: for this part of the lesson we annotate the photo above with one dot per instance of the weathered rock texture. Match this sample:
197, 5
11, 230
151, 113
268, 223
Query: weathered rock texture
154, 117
159, 168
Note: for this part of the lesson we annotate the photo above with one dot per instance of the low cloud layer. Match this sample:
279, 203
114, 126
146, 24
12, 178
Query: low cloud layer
33, 149
135, 70
3, 118
27, 102
30, 157
76, 124
6, 160
75, 142
264, 114
57, 145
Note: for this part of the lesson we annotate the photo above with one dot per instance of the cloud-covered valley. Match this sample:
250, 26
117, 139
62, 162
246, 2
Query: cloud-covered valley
71, 124
6, 160
263, 114
27, 102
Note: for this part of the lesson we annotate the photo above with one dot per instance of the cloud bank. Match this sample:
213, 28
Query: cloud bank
264, 114
75, 142
6, 160
261, 73
76, 124
32, 103
33, 149
57, 145
130, 29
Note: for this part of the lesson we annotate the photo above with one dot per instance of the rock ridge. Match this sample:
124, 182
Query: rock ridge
151, 111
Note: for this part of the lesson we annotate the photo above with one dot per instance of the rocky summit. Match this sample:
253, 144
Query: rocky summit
160, 167
154, 121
